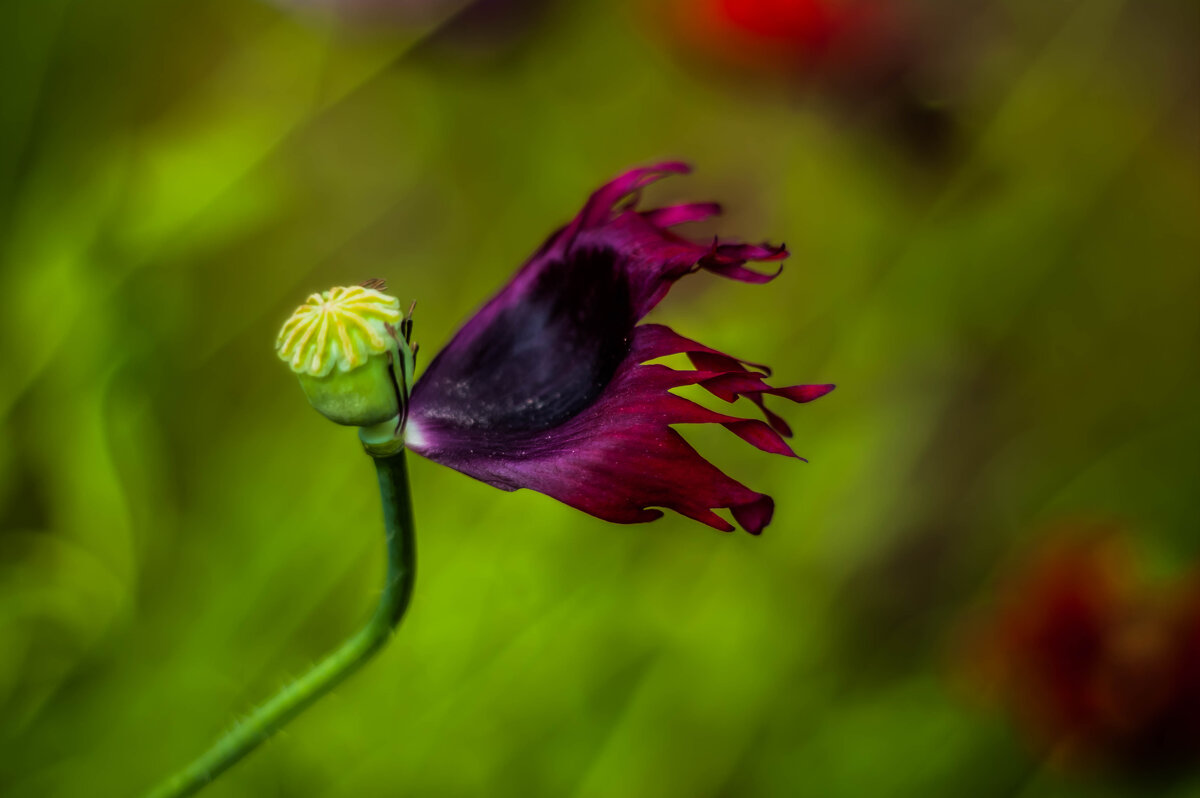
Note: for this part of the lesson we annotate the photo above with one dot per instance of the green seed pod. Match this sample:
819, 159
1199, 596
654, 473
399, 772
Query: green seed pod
346, 347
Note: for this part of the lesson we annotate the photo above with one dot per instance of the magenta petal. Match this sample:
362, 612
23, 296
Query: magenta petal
605, 198
755, 515
680, 214
804, 393
662, 341
727, 259
734, 377
618, 457
738, 272
777, 423
760, 435
547, 387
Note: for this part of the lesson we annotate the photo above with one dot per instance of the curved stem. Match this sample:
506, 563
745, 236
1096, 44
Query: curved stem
300, 694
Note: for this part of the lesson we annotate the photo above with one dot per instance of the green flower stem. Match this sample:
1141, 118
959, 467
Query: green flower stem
325, 675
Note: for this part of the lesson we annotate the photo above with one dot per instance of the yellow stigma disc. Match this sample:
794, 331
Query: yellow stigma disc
341, 328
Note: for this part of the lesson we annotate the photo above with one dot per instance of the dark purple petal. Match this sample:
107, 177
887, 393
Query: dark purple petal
547, 386
537, 358
727, 259
600, 205
679, 214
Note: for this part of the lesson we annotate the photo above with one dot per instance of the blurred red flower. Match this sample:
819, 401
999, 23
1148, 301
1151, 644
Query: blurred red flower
1097, 664
885, 64
803, 36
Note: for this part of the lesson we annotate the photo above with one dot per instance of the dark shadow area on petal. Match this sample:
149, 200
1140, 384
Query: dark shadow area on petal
541, 360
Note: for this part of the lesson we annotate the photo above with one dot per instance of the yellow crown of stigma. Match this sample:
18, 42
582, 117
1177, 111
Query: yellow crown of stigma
341, 328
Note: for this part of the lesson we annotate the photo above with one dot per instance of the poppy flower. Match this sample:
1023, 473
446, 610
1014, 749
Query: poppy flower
549, 387
1099, 666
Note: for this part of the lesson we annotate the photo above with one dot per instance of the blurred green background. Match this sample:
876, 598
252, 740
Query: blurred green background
1013, 326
